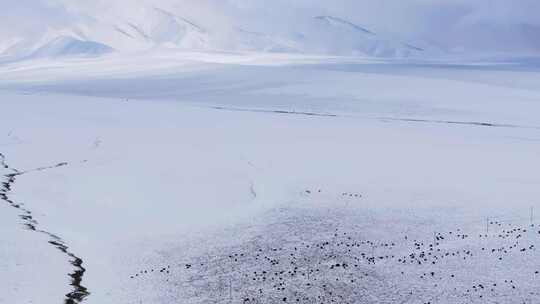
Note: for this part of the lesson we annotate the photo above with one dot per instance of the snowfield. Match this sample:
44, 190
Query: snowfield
219, 177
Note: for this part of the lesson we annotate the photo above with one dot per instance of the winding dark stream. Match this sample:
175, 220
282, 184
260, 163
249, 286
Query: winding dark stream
78, 291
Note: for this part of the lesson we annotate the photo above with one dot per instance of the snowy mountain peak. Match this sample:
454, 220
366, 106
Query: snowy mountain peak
181, 20
161, 27
341, 36
70, 46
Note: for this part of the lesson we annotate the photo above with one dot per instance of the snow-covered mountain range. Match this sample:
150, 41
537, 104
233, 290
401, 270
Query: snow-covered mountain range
349, 28
158, 27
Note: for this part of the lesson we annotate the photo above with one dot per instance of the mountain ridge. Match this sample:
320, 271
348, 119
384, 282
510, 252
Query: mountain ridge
155, 26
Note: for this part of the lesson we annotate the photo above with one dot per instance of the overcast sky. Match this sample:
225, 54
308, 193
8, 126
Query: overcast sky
453, 24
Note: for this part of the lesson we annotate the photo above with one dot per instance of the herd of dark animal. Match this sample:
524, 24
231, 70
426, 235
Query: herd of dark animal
298, 260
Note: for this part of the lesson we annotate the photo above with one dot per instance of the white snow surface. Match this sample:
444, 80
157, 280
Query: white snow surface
172, 154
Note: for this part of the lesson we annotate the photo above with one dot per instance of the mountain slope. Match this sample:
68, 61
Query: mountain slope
344, 37
161, 27
69, 46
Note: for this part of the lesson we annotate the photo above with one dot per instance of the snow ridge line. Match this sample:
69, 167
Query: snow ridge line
384, 119
456, 122
79, 292
274, 111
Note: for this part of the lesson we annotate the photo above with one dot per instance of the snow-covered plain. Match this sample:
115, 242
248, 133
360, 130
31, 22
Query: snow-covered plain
208, 177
